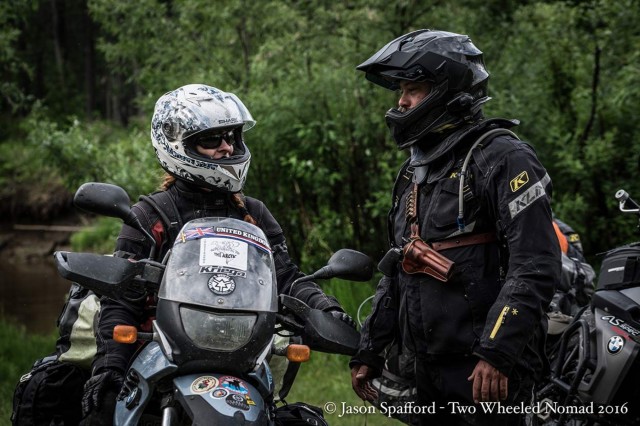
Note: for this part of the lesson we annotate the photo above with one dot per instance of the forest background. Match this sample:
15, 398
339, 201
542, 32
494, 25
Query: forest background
80, 78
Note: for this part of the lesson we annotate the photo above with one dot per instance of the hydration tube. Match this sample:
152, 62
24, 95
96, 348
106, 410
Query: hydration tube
463, 172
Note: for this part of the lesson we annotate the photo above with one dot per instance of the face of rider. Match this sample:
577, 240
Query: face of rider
412, 93
216, 147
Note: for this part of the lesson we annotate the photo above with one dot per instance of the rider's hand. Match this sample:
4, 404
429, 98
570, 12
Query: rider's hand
344, 317
361, 376
99, 399
489, 384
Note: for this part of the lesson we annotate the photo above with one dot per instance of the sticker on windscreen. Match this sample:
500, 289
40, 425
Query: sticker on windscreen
221, 284
223, 252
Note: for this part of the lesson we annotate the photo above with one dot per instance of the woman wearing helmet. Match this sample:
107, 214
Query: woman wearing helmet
476, 195
197, 132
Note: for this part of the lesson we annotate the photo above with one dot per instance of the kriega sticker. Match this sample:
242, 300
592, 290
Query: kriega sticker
233, 384
519, 181
222, 270
527, 198
204, 384
223, 252
221, 284
615, 345
219, 393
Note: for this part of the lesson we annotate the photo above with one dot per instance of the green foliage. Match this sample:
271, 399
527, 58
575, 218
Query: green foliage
18, 351
326, 378
100, 238
83, 151
323, 160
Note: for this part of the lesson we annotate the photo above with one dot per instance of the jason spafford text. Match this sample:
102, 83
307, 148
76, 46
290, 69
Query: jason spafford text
541, 407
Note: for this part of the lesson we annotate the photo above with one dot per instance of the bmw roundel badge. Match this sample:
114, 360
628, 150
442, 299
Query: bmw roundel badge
615, 345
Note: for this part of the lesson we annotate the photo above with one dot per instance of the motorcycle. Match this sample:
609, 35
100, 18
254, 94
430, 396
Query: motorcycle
595, 365
206, 360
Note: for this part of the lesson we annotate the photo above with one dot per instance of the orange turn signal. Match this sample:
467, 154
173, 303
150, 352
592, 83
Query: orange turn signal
125, 334
298, 353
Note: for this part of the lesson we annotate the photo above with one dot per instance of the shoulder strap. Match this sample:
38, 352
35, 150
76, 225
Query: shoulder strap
403, 179
164, 204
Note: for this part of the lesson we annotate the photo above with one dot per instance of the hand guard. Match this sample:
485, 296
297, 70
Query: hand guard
344, 317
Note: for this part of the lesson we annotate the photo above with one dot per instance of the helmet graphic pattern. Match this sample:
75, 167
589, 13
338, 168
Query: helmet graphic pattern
193, 109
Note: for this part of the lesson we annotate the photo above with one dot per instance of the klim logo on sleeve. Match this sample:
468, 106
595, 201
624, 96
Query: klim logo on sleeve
519, 181
524, 200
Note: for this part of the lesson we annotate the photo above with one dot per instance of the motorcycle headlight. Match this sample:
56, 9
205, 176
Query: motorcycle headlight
219, 332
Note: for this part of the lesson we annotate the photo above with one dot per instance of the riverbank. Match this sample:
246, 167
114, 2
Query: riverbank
31, 291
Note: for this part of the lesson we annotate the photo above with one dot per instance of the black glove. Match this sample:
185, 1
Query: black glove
344, 317
99, 399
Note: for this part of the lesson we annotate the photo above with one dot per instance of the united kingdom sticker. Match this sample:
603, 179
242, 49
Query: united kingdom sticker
615, 345
221, 284
204, 384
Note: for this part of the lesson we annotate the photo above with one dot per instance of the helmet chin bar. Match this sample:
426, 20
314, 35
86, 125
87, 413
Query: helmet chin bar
432, 115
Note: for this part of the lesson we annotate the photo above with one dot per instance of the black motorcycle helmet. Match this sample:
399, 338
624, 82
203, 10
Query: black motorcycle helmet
453, 66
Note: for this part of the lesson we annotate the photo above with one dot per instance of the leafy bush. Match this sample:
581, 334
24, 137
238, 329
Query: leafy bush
18, 351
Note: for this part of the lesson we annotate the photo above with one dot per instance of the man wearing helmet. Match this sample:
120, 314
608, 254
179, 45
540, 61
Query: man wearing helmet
474, 256
197, 132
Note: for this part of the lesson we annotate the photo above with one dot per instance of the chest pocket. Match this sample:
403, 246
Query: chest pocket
444, 207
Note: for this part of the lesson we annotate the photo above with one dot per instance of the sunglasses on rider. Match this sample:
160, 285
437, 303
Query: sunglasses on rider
210, 141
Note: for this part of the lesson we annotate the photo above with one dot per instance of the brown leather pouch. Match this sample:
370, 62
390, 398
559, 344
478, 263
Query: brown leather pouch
419, 257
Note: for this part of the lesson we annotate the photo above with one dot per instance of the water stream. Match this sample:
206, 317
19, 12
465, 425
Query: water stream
32, 293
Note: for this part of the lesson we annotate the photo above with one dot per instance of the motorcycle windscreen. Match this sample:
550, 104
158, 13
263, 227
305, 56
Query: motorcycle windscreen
221, 263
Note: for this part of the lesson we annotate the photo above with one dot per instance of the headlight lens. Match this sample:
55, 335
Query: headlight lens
226, 332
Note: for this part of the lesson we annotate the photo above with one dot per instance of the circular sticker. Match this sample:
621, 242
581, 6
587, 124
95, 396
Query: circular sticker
615, 345
204, 384
237, 401
219, 393
221, 284
233, 384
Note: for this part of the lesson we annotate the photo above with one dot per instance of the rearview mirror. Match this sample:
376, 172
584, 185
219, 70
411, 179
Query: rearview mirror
347, 264
103, 199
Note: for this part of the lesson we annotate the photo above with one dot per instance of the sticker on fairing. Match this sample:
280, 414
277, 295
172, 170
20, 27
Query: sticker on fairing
527, 198
233, 384
249, 400
237, 401
223, 252
219, 393
204, 384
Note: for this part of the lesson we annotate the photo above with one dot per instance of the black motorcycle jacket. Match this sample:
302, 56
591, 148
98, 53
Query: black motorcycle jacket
494, 304
191, 203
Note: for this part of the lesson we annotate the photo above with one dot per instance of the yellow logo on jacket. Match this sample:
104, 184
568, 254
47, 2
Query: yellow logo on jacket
519, 181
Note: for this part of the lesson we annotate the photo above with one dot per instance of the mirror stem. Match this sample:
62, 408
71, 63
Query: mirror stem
134, 222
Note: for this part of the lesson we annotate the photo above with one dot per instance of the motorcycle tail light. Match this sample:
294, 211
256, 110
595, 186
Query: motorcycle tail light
220, 332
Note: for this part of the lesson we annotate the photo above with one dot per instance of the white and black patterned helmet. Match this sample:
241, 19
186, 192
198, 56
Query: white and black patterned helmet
180, 116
